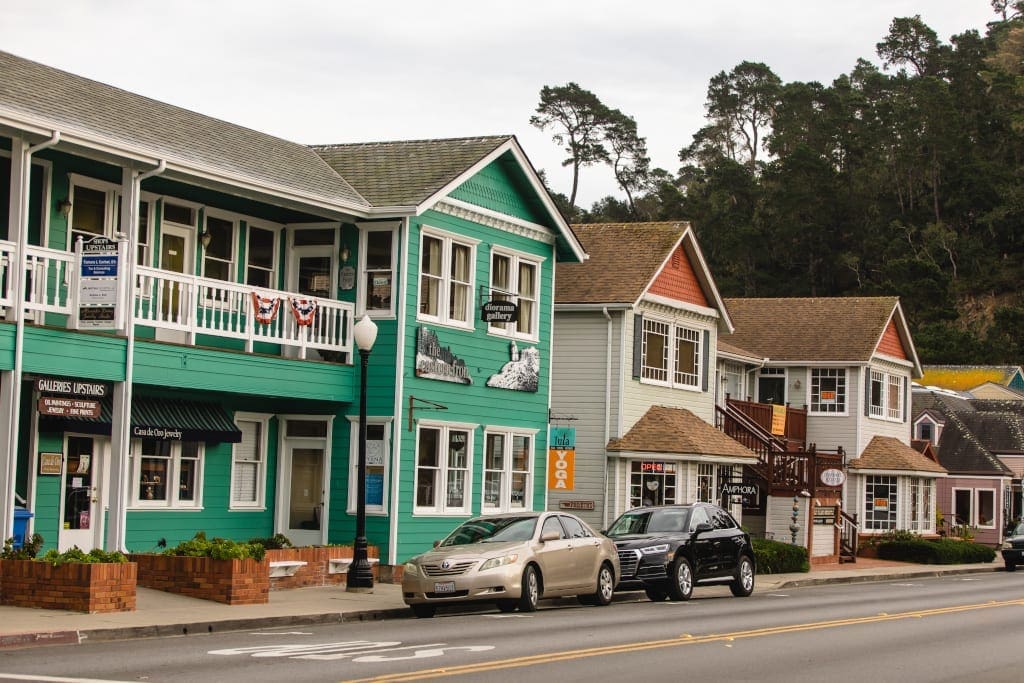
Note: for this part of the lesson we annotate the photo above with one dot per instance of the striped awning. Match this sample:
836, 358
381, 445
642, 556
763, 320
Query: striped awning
163, 419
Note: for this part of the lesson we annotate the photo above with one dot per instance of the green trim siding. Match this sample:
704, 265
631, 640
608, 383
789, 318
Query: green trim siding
502, 186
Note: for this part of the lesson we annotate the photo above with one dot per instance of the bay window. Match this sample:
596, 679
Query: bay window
880, 503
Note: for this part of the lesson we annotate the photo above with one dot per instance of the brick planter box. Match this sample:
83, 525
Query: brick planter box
233, 582
75, 586
324, 566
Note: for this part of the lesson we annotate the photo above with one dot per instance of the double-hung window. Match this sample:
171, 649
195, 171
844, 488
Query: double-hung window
443, 461
261, 257
828, 390
886, 395
671, 354
508, 458
249, 462
377, 254
515, 278
446, 279
218, 255
167, 474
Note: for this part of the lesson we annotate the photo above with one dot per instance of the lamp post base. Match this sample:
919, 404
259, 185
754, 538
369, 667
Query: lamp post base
360, 574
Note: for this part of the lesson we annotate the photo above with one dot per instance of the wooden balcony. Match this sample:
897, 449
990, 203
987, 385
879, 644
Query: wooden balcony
794, 432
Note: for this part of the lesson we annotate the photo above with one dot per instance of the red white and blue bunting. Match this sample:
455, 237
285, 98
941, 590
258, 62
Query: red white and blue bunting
304, 311
265, 307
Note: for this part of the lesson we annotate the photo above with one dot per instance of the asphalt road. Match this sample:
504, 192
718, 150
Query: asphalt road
938, 629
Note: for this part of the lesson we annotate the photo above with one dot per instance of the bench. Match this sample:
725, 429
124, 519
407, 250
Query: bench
285, 568
340, 565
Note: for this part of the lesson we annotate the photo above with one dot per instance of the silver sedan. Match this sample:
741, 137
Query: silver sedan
513, 560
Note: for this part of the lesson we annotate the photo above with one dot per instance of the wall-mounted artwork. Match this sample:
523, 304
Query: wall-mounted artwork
434, 361
522, 371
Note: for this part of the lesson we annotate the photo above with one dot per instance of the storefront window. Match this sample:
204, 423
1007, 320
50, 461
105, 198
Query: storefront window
652, 483
507, 465
442, 459
161, 464
880, 503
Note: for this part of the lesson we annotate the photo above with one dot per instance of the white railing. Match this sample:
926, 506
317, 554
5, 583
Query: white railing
184, 303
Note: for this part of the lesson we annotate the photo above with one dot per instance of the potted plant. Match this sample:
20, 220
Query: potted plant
212, 569
94, 581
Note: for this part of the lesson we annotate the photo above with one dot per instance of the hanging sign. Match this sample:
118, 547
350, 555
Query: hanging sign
833, 477
98, 283
496, 311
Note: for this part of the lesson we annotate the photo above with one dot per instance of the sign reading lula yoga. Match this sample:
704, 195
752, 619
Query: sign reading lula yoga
97, 283
562, 459
434, 361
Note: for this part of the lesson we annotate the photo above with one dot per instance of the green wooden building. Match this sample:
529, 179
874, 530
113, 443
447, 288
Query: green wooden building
178, 295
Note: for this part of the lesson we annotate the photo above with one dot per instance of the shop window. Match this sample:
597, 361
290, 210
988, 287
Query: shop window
880, 503
828, 391
508, 458
249, 462
514, 278
167, 474
652, 482
377, 254
378, 457
922, 509
443, 457
446, 279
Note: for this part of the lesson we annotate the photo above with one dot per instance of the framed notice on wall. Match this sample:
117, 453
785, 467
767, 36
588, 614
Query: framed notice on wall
50, 463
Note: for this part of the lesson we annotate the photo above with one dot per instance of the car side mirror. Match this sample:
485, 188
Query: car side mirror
702, 527
550, 536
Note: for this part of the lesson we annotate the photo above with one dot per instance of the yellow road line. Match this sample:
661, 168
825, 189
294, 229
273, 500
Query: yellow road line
684, 639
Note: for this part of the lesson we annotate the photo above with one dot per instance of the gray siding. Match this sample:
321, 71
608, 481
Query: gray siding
830, 432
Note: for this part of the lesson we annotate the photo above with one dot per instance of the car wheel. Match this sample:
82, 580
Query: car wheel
1011, 566
424, 611
507, 606
605, 587
531, 590
656, 593
681, 585
743, 584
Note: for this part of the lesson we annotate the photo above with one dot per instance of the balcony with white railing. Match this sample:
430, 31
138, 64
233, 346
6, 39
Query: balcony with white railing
190, 307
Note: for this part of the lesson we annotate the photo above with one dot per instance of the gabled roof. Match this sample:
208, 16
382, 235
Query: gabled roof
807, 330
729, 352
889, 453
101, 117
973, 431
967, 377
625, 260
678, 431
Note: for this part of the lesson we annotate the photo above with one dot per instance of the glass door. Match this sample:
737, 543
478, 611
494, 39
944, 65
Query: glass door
81, 512
305, 524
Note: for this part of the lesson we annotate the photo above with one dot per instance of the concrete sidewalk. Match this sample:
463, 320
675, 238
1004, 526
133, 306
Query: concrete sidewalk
164, 614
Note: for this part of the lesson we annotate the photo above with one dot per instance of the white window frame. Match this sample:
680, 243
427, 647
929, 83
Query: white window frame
892, 514
842, 403
977, 507
921, 502
706, 472
272, 272
231, 261
669, 375
506, 472
448, 241
353, 457
883, 410
262, 420
363, 273
173, 473
513, 294
666, 471
110, 210
936, 429
440, 508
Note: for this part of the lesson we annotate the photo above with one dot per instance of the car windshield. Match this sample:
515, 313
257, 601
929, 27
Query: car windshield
1019, 531
492, 531
644, 521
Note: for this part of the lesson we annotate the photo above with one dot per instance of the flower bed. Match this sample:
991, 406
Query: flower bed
233, 582
75, 586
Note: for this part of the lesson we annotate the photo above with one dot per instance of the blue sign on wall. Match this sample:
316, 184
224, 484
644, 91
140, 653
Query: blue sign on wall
374, 489
563, 437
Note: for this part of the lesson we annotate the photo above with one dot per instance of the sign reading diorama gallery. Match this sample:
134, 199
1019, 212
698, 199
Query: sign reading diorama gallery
97, 283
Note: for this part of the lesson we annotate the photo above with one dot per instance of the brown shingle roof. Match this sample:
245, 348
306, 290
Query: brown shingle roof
90, 109
623, 259
889, 453
677, 430
405, 173
810, 329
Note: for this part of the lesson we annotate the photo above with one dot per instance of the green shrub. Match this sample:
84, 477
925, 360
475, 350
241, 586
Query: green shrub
775, 557
942, 551
75, 554
275, 542
218, 548
28, 550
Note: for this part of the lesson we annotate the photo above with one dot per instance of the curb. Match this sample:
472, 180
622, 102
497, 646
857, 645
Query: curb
891, 576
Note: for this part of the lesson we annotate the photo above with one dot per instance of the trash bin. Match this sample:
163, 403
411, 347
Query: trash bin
21, 517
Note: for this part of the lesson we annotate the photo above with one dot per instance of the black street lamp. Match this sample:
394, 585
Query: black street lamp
360, 574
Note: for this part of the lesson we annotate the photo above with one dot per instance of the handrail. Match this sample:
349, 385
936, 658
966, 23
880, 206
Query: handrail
848, 534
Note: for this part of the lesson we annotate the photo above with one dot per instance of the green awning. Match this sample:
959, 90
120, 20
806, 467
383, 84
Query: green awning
163, 419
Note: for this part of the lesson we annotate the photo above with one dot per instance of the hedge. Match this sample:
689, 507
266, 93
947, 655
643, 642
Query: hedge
775, 557
942, 551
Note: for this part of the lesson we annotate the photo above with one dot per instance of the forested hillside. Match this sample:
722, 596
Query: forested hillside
901, 177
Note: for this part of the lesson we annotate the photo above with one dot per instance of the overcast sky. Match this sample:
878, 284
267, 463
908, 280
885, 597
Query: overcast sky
335, 71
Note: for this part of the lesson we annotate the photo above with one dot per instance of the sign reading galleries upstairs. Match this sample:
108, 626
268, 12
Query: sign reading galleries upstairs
677, 280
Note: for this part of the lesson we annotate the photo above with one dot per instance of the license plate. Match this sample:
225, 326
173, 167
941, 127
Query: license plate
445, 587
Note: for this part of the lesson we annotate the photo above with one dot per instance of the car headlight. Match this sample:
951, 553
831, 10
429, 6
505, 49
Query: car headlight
1006, 545
655, 549
411, 569
495, 562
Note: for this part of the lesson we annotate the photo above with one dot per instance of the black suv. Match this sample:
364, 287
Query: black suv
1013, 548
664, 550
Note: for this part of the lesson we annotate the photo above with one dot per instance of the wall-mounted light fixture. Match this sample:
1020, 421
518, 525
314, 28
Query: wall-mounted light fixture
64, 206
205, 238
345, 253
796, 384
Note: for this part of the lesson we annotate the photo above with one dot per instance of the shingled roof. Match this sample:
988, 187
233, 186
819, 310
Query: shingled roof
677, 430
406, 173
810, 329
98, 113
973, 431
624, 257
889, 453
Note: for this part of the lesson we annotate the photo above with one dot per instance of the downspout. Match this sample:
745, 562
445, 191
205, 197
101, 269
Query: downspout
18, 305
122, 409
607, 415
